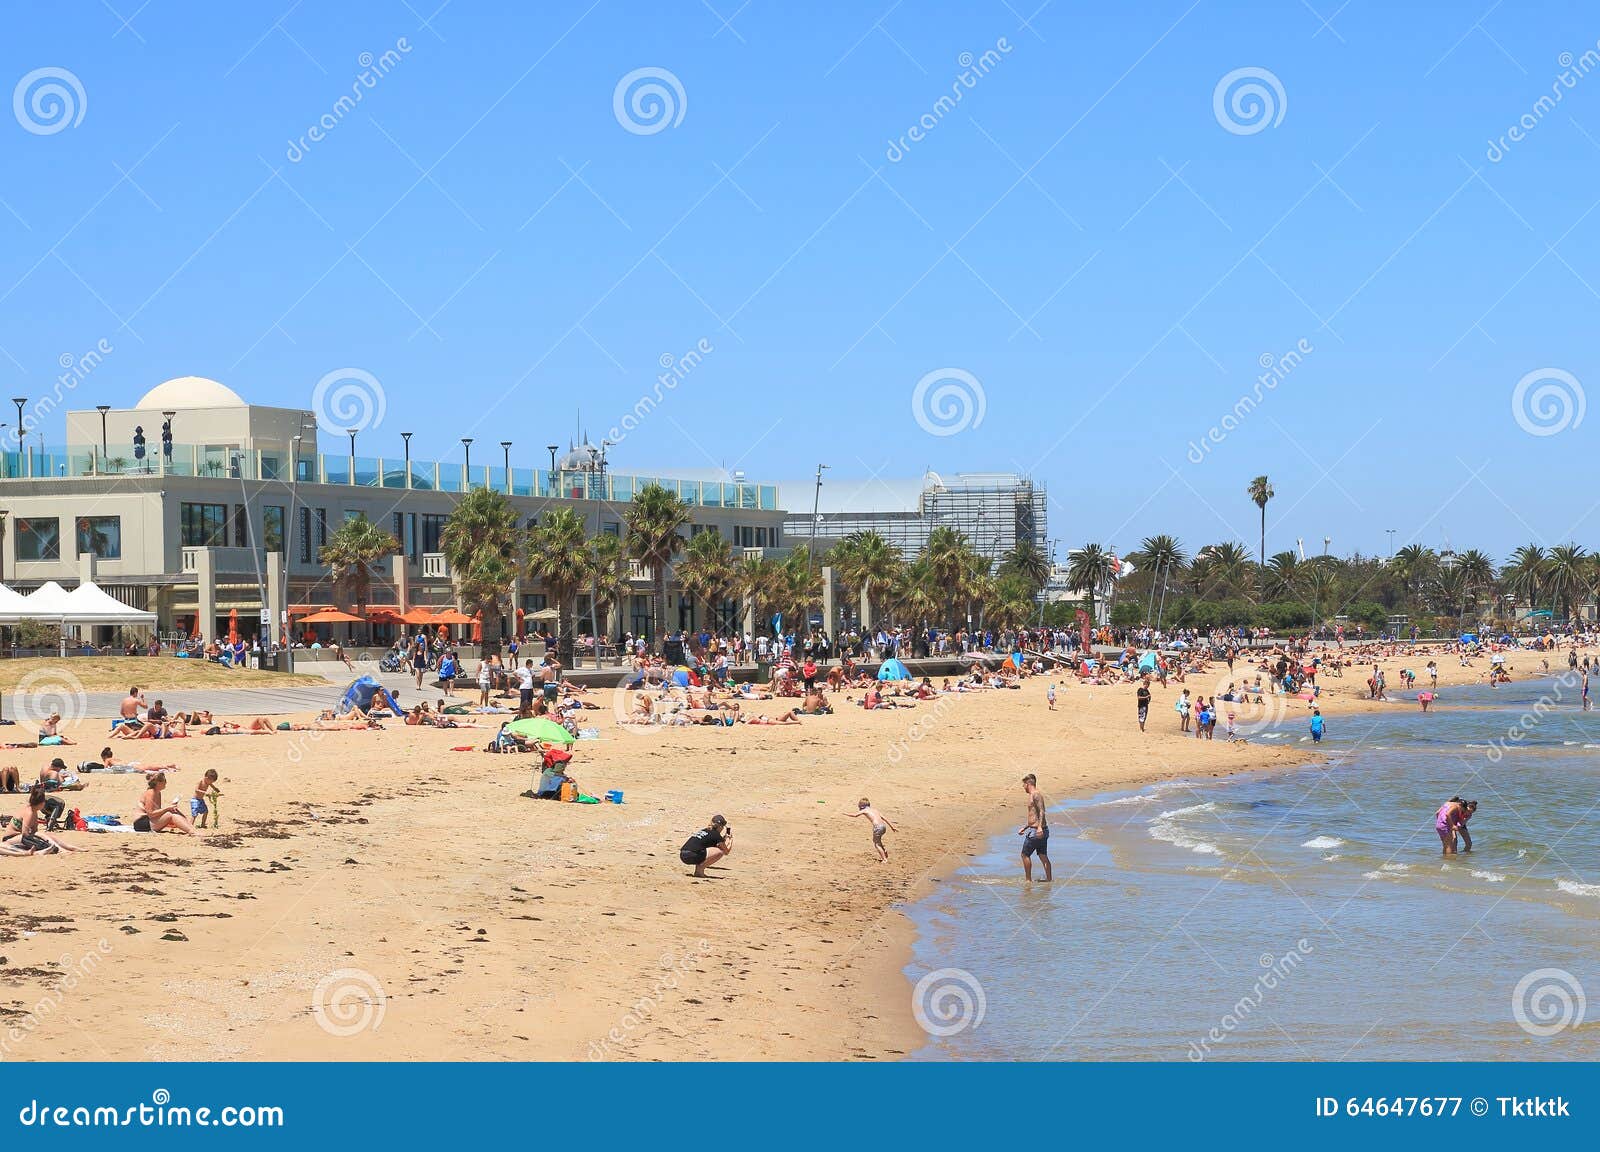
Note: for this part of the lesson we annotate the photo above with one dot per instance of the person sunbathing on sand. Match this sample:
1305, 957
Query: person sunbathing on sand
792, 716
815, 705
157, 817
24, 826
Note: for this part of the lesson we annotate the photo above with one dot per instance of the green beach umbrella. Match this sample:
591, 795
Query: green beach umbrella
541, 728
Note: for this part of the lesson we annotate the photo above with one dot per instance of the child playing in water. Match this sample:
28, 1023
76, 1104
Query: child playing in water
1317, 726
880, 825
204, 791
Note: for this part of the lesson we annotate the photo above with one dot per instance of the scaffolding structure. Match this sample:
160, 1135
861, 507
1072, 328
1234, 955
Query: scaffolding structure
994, 511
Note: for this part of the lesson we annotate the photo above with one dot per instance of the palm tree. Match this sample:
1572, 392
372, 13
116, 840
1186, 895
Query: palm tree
351, 554
1453, 590
1260, 491
608, 580
1525, 573
798, 588
558, 558
1027, 563
1089, 571
1479, 572
1283, 575
483, 543
1225, 566
949, 558
654, 519
757, 579
1160, 552
1568, 575
916, 592
707, 572
1414, 565
865, 561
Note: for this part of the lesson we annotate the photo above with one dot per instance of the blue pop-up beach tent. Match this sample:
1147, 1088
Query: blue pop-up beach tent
1147, 662
1469, 637
360, 695
892, 669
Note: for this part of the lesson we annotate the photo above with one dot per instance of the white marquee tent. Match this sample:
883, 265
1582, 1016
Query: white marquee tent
86, 604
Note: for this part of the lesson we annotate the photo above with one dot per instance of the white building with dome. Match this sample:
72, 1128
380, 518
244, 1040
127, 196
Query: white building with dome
231, 516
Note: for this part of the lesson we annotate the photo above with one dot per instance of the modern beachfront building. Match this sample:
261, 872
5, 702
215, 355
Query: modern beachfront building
194, 504
993, 510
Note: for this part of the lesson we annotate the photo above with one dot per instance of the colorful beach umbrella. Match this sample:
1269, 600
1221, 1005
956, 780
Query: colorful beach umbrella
541, 728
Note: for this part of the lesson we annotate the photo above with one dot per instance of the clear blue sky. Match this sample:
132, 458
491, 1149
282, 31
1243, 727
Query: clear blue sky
1080, 234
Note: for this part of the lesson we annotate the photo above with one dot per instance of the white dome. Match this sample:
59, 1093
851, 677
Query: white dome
191, 392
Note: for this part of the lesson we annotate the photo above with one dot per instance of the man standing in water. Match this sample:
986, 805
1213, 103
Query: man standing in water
1036, 832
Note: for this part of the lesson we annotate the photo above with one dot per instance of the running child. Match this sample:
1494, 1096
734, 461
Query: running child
880, 825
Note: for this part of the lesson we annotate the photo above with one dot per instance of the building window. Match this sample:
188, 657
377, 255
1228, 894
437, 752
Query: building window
305, 535
351, 514
100, 536
38, 538
241, 526
432, 527
399, 533
322, 527
204, 525
611, 527
272, 528
534, 602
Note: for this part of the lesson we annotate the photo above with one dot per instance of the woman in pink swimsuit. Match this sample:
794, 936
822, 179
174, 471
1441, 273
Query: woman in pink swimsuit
1445, 823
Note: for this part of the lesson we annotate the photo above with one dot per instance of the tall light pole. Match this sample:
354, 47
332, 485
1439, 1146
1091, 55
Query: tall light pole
466, 446
1390, 531
352, 432
816, 505
22, 436
506, 445
289, 531
105, 448
406, 436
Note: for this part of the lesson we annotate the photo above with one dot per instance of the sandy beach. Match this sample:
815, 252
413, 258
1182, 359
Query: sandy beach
378, 895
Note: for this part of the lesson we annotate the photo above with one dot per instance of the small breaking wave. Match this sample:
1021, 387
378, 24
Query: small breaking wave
1165, 827
1324, 842
1573, 888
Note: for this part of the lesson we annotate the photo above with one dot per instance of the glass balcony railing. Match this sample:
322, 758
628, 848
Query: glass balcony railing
212, 461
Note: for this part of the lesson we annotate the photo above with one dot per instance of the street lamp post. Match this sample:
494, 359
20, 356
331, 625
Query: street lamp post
466, 445
1390, 531
506, 446
816, 504
22, 438
406, 436
167, 442
551, 448
289, 529
105, 448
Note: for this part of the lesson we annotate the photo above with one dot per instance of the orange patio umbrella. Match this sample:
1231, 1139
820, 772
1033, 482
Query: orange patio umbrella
330, 616
233, 626
417, 616
450, 616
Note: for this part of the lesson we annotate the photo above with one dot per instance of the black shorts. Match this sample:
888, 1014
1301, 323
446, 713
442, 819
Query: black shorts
694, 856
527, 697
1037, 842
142, 824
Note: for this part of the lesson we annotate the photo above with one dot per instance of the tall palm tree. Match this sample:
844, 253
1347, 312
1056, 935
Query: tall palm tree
1568, 575
1221, 568
1260, 491
483, 543
1158, 553
1524, 574
1453, 590
798, 589
1479, 572
949, 558
1027, 563
655, 520
916, 592
1414, 565
352, 554
1089, 571
866, 562
707, 573
558, 558
608, 581
757, 579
